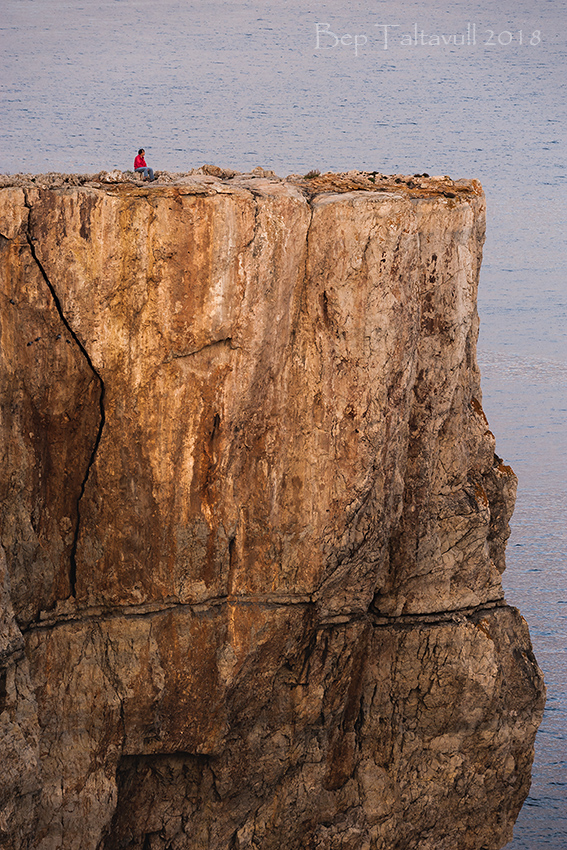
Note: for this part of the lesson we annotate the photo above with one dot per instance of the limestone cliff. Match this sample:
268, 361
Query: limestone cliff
252, 520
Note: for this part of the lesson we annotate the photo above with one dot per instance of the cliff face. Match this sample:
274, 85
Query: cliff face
252, 522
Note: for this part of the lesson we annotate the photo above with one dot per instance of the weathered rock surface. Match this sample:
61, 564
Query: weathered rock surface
252, 521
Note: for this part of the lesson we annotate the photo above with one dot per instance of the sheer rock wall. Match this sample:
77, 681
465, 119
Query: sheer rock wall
252, 521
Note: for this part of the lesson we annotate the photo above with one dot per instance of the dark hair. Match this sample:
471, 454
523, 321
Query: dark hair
141, 151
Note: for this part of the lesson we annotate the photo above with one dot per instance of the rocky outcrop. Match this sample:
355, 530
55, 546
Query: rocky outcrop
252, 520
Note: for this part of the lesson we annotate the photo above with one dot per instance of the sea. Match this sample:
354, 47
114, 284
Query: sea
467, 89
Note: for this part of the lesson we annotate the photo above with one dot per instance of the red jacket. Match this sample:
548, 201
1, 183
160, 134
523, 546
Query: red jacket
139, 162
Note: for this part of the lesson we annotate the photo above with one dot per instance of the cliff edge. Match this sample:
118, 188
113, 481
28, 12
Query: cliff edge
252, 520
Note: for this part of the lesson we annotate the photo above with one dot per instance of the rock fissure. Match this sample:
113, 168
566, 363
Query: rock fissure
223, 341
55, 618
435, 617
84, 352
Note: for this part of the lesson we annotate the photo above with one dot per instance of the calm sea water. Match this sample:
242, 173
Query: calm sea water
467, 89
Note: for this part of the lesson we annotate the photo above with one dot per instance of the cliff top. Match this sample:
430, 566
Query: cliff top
210, 178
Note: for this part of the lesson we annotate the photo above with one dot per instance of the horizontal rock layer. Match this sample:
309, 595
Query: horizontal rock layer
252, 521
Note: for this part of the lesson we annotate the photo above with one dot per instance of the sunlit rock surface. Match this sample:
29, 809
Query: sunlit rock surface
252, 519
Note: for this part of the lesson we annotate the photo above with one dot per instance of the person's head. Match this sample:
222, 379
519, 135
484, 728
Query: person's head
141, 152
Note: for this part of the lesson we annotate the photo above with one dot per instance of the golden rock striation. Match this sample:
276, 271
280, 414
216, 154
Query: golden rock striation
252, 520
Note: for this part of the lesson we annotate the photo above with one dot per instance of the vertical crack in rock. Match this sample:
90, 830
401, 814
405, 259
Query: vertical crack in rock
255, 196
85, 353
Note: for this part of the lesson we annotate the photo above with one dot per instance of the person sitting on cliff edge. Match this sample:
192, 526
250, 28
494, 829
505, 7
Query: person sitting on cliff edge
140, 165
